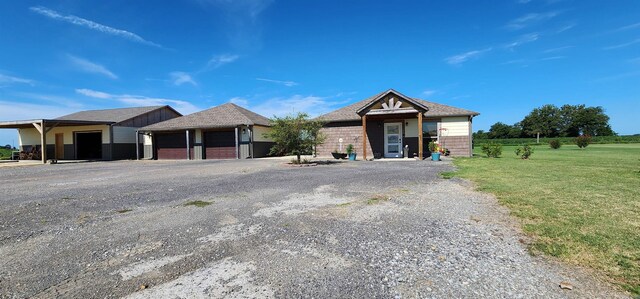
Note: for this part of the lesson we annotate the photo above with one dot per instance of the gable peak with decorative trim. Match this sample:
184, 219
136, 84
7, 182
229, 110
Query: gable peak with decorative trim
390, 102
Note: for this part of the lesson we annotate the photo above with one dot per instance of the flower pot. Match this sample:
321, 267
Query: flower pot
352, 156
435, 156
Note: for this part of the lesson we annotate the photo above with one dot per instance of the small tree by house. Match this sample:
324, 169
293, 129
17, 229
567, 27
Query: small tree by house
295, 135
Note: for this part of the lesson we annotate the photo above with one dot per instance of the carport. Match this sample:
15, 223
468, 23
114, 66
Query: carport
43, 126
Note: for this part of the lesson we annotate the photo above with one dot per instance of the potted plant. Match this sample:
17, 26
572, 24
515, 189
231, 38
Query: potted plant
351, 152
338, 155
434, 148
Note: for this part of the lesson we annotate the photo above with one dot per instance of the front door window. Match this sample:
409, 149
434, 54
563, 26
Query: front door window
393, 140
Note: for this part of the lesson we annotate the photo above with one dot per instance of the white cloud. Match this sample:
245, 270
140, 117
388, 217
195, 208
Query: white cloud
220, 60
91, 25
427, 93
93, 94
285, 83
90, 67
239, 101
6, 79
312, 105
523, 39
135, 100
623, 45
530, 19
179, 78
15, 110
461, 58
628, 27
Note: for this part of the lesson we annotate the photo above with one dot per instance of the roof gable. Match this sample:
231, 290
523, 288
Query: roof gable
391, 100
112, 115
224, 116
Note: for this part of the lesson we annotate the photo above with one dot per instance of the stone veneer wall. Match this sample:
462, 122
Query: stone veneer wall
458, 145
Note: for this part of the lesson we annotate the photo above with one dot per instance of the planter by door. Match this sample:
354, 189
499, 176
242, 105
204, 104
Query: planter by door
352, 157
435, 156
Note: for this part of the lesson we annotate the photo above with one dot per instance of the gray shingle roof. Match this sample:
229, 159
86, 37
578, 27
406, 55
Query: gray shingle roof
110, 115
228, 115
348, 113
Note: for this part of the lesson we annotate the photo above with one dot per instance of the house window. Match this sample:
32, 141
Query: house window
430, 129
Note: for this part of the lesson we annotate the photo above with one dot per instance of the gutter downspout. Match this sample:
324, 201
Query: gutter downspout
137, 145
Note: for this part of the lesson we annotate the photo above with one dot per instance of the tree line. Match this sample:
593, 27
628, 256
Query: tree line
553, 121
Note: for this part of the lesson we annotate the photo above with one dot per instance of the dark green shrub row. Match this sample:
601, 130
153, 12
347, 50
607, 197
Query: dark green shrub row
563, 140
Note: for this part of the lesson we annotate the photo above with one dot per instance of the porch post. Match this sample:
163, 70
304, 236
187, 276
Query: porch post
43, 141
364, 137
188, 145
137, 145
420, 141
237, 146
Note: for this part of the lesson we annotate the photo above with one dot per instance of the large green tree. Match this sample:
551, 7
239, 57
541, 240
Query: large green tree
295, 135
543, 121
581, 120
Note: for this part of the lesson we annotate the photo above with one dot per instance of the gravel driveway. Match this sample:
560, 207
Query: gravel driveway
345, 230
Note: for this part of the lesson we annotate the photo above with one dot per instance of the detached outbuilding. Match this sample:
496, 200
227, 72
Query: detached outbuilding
108, 134
223, 132
393, 125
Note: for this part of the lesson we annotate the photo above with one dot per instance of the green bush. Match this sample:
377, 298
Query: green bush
583, 141
524, 151
555, 143
492, 150
349, 149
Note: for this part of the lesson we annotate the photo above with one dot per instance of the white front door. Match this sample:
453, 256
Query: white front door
393, 140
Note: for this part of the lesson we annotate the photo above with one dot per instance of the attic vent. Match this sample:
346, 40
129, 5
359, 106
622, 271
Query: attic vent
391, 104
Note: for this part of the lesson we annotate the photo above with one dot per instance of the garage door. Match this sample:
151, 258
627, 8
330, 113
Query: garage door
172, 145
220, 145
88, 145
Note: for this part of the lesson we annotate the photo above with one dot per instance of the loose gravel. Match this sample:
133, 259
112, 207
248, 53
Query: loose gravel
342, 230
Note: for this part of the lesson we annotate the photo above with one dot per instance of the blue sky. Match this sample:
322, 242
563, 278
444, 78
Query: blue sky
500, 58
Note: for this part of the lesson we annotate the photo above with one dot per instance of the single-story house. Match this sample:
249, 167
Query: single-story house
392, 125
222, 132
108, 134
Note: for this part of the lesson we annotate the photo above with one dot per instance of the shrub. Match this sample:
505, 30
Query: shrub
524, 151
349, 149
555, 143
583, 141
433, 146
492, 150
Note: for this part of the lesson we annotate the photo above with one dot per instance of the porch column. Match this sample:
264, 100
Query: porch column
41, 127
43, 141
364, 137
137, 145
237, 146
188, 145
420, 141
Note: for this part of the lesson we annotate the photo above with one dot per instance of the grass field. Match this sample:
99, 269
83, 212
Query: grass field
582, 206
5, 154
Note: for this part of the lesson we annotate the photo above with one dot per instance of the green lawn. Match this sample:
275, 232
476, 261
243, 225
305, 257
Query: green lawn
5, 154
582, 206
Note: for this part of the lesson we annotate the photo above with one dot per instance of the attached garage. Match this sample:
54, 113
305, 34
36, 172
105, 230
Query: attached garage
223, 132
219, 144
173, 145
